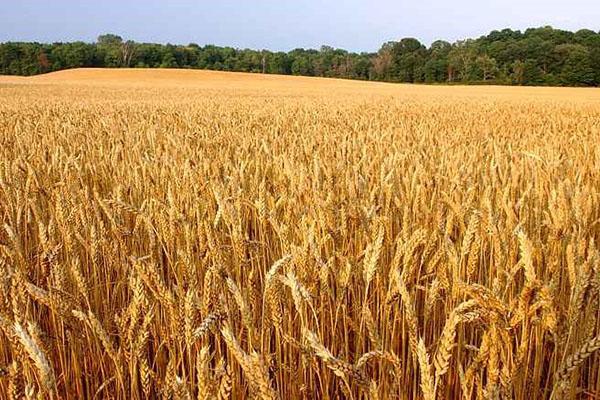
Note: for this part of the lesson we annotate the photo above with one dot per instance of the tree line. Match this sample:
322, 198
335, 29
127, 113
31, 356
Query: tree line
537, 56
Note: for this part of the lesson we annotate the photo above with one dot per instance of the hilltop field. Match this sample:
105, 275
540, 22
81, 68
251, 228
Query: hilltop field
195, 234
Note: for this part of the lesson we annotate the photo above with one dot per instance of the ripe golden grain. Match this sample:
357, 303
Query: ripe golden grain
199, 234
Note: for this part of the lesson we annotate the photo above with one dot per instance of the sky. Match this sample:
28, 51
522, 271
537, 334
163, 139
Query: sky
284, 25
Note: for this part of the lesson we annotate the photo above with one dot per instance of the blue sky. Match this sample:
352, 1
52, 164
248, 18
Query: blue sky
284, 25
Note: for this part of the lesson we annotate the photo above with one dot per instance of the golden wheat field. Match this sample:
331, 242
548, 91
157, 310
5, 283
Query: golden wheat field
205, 235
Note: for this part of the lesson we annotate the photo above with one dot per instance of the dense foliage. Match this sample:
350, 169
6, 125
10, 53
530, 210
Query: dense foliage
538, 56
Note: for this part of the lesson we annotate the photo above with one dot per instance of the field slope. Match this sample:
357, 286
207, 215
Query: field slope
202, 79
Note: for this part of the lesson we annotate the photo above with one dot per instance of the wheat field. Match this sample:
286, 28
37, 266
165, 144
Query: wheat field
205, 235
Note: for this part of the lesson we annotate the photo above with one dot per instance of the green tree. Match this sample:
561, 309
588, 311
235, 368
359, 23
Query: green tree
279, 63
461, 60
109, 49
538, 56
575, 62
408, 60
518, 72
168, 60
382, 63
436, 67
301, 66
488, 66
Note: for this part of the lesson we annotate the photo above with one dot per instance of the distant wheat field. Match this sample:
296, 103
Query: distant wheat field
205, 235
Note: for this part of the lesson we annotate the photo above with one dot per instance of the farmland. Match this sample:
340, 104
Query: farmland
194, 234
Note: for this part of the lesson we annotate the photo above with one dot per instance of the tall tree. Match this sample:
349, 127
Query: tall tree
537, 56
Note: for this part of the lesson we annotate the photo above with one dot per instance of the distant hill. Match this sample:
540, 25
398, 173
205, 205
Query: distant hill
537, 56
